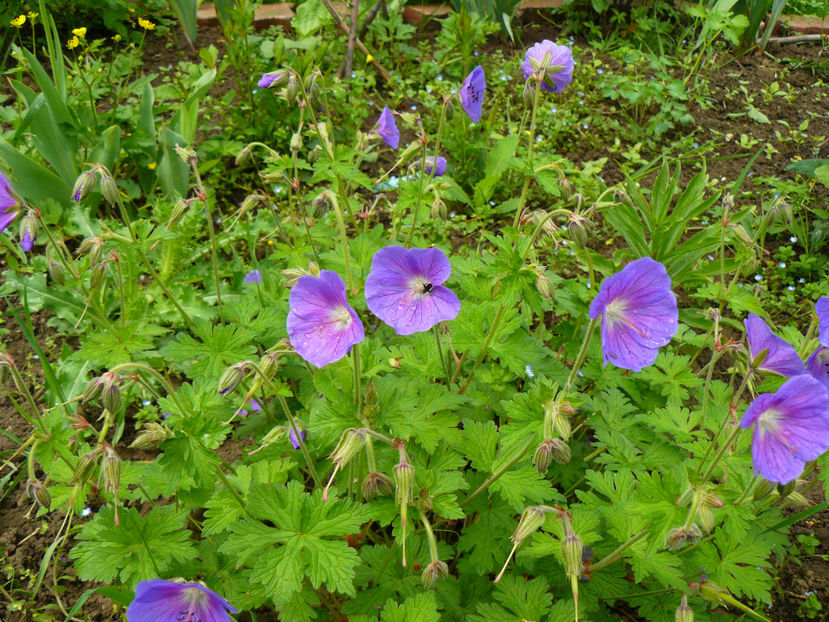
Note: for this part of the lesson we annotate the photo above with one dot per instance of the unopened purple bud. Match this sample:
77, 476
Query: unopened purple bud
28, 231
84, 184
293, 437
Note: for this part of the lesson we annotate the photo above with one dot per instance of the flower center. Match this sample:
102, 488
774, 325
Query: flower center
193, 598
767, 422
341, 318
421, 287
615, 312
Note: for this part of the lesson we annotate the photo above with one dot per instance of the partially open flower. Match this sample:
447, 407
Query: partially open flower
387, 128
472, 93
553, 63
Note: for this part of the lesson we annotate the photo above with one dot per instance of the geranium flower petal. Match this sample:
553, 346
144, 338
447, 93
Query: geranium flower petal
782, 358
822, 310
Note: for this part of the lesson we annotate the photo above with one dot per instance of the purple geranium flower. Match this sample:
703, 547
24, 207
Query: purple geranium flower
818, 365
9, 205
254, 276
822, 310
157, 600
792, 428
387, 128
267, 79
405, 288
639, 314
321, 325
472, 94
781, 357
554, 61
436, 168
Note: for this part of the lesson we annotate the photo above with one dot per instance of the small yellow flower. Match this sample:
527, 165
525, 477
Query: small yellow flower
270, 242
369, 58
79, 32
116, 38
18, 21
33, 14
145, 24
152, 165
73, 43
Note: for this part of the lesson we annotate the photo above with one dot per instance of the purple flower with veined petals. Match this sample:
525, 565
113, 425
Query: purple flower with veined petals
822, 310
254, 276
436, 169
387, 128
9, 206
472, 94
792, 428
555, 56
639, 314
405, 288
818, 365
781, 358
292, 437
158, 600
321, 325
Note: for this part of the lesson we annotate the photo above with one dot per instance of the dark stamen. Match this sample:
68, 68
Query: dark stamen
427, 287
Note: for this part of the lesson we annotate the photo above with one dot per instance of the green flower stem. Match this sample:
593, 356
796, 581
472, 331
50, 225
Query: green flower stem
30, 461
457, 368
423, 172
494, 477
370, 459
580, 357
65, 256
291, 423
617, 554
706, 389
35, 420
537, 231
718, 456
382, 437
440, 353
232, 490
358, 378
482, 353
121, 296
430, 536
211, 230
530, 148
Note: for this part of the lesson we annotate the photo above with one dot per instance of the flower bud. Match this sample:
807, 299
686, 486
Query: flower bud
351, 443
528, 94
557, 419
110, 189
579, 228
249, 202
742, 236
37, 491
93, 390
438, 210
93, 246
84, 468
784, 490
111, 397
178, 211
680, 536
111, 469
28, 231
296, 141
404, 482
151, 436
433, 573
549, 450
57, 273
763, 489
244, 155
684, 613
376, 483
274, 79
231, 378
291, 89
706, 517
714, 593
797, 499
544, 286
98, 276
758, 360
187, 155
532, 519
84, 184
571, 550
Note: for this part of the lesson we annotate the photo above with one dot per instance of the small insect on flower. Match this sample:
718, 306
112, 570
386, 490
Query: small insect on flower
18, 21
472, 94
780, 358
158, 600
387, 128
792, 428
639, 314
405, 288
436, 167
9, 204
321, 325
552, 63
146, 24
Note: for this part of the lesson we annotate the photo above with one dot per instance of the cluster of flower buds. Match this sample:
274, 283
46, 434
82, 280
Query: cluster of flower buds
151, 436
351, 443
549, 450
87, 180
292, 274
434, 572
377, 483
678, 537
105, 387
187, 154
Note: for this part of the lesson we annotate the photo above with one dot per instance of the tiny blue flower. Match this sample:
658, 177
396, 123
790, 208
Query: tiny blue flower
696, 145
414, 106
254, 276
554, 109
790, 288
86, 512
793, 239
584, 125
710, 257
758, 277
801, 280
146, 402
529, 371
600, 71
782, 264
439, 78
581, 102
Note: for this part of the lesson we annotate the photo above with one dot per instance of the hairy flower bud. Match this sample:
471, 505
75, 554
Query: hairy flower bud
243, 156
291, 89
544, 286
231, 378
249, 202
433, 573
179, 209
571, 551
549, 450
28, 230
763, 489
84, 468
94, 247
56, 273
111, 470
684, 613
296, 141
97, 276
93, 390
680, 536
579, 228
528, 94
404, 482
377, 483
784, 490
84, 184
714, 593
110, 189
151, 436
37, 491
351, 443
111, 395
187, 155
557, 417
532, 519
